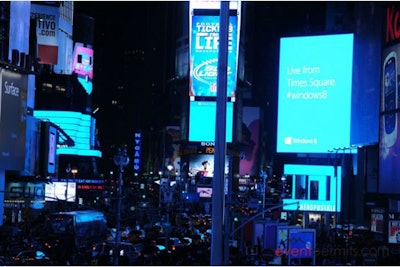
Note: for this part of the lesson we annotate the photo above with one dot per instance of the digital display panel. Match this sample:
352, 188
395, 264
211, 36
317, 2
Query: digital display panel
83, 66
202, 165
302, 244
204, 192
389, 145
13, 105
77, 125
202, 121
377, 221
52, 150
314, 188
47, 27
315, 79
58, 190
204, 56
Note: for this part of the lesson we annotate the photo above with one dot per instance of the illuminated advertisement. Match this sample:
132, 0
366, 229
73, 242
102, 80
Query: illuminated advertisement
315, 78
46, 32
50, 145
13, 119
58, 190
249, 140
17, 192
202, 165
202, 118
77, 125
314, 188
83, 66
302, 244
137, 154
377, 220
204, 192
282, 239
204, 56
394, 232
389, 120
204, 22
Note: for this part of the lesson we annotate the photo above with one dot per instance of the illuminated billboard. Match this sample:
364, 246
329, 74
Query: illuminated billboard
47, 18
204, 56
77, 125
59, 190
314, 188
202, 165
13, 119
32, 194
389, 169
315, 79
202, 119
204, 28
83, 66
204, 192
49, 139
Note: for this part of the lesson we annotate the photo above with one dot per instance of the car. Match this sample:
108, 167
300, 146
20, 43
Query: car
136, 236
174, 243
31, 257
153, 254
105, 254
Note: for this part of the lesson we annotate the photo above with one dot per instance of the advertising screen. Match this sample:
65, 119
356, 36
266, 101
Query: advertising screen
302, 244
204, 192
202, 121
315, 79
377, 221
57, 190
314, 188
83, 66
77, 125
47, 18
202, 165
13, 101
394, 232
204, 56
389, 146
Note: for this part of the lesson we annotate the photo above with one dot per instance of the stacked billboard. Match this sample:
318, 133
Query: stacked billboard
204, 42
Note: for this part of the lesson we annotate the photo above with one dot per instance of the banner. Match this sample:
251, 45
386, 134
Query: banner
46, 32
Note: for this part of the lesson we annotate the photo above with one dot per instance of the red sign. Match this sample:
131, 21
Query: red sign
392, 24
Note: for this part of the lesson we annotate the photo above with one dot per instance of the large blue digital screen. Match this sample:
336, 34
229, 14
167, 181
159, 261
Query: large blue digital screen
315, 88
314, 188
202, 121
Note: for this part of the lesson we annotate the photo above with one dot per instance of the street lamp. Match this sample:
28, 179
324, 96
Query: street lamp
170, 167
120, 159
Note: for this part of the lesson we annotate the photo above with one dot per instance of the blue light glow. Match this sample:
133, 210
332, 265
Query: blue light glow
314, 101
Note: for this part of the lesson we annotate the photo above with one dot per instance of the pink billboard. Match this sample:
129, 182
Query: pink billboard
83, 66
249, 141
